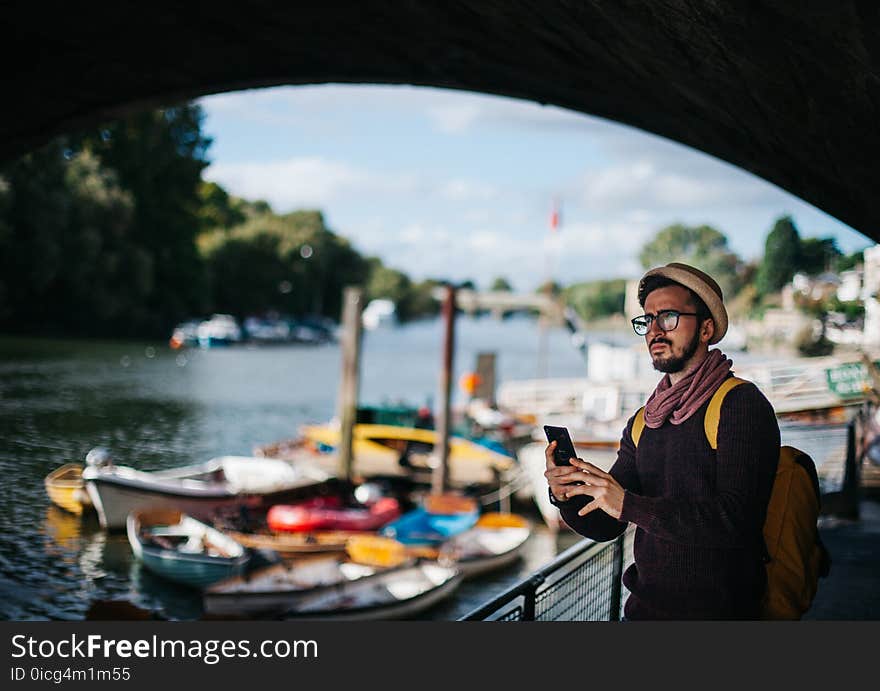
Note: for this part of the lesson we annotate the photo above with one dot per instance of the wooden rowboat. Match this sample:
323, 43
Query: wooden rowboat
398, 593
66, 488
295, 545
182, 549
277, 588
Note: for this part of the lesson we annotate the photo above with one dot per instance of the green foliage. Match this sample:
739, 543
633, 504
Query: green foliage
818, 255
293, 263
552, 287
501, 284
782, 256
596, 299
701, 246
851, 309
217, 209
421, 301
850, 261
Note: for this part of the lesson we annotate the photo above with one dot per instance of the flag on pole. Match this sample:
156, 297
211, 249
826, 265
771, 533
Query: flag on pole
555, 216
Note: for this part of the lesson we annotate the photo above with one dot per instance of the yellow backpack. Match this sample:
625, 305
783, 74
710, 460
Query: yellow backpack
794, 556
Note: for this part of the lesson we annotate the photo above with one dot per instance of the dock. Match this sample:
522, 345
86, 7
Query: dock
851, 592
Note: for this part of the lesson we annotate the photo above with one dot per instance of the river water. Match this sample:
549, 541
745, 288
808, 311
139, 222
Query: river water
156, 408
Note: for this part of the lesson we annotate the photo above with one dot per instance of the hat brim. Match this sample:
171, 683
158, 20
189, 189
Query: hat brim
701, 288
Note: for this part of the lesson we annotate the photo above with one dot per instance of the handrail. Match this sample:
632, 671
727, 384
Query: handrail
528, 588
530, 584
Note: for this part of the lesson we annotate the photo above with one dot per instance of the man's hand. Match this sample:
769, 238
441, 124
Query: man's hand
561, 478
606, 491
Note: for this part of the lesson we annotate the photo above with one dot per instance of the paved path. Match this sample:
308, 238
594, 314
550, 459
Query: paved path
852, 589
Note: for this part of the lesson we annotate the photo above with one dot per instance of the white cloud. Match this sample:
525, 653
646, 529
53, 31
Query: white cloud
661, 186
454, 118
468, 190
484, 240
306, 181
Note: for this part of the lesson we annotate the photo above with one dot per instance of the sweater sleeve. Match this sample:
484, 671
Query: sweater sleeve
598, 525
747, 455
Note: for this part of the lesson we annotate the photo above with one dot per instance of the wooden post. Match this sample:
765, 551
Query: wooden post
486, 378
440, 476
348, 387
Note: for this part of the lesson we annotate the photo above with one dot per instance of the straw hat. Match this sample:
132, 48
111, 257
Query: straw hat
703, 285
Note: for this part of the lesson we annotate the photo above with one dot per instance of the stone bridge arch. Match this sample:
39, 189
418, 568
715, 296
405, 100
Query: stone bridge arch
789, 91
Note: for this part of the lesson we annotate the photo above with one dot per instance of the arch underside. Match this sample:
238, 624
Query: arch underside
789, 91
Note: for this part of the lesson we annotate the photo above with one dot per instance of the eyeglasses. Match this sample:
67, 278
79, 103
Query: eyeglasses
667, 320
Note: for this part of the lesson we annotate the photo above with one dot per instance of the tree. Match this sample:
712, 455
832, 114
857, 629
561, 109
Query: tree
501, 284
782, 256
596, 299
701, 246
818, 255
314, 263
850, 261
218, 209
158, 157
35, 203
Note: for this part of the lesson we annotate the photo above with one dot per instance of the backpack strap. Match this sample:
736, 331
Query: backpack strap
638, 426
710, 422
713, 412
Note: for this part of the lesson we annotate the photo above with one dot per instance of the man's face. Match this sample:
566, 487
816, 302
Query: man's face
672, 351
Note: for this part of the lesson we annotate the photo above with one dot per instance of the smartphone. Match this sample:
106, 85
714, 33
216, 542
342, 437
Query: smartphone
564, 447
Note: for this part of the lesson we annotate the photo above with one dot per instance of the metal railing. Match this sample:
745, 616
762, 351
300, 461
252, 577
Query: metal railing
581, 584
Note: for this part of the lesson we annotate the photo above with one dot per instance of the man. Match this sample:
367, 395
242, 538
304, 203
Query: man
699, 513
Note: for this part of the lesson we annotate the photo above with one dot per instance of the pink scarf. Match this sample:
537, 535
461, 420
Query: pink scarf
677, 402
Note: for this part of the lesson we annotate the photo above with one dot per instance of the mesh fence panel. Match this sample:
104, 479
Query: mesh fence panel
572, 588
580, 593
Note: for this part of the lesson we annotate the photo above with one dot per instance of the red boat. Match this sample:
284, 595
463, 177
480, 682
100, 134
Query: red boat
328, 513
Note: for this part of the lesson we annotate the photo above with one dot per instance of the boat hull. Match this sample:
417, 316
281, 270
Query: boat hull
278, 588
193, 569
66, 489
437, 583
483, 550
113, 501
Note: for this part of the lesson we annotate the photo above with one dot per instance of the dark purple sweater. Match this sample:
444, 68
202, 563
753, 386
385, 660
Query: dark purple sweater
698, 513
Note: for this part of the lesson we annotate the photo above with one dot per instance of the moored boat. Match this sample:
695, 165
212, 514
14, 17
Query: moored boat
496, 541
277, 588
319, 514
437, 520
66, 489
397, 593
199, 489
182, 549
393, 450
293, 545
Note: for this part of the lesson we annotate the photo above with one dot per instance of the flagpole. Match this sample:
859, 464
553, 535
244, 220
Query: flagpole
542, 319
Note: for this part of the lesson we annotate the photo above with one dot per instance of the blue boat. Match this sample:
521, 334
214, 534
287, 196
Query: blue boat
181, 549
422, 526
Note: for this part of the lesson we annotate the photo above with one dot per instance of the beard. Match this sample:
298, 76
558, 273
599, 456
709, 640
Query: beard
673, 364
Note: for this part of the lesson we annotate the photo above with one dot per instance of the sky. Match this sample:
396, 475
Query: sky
457, 185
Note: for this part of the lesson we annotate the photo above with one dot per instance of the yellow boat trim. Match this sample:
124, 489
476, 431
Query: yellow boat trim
460, 450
